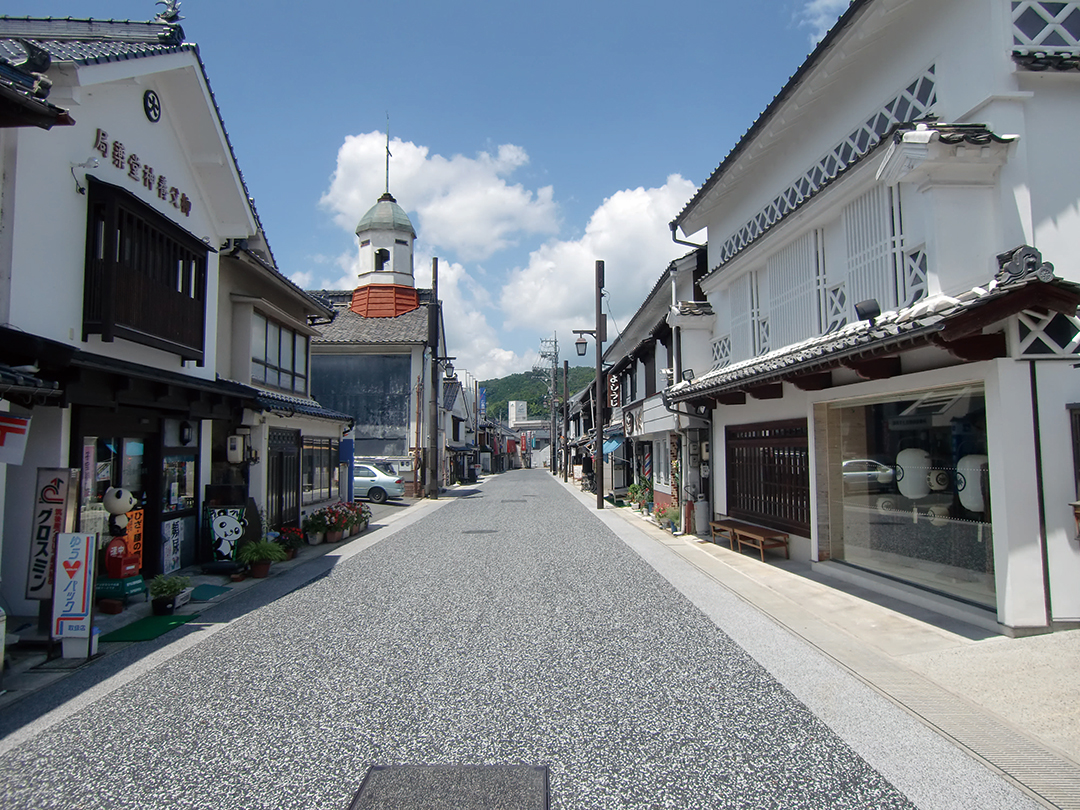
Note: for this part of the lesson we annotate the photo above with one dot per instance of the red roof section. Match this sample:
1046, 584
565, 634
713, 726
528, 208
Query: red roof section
384, 300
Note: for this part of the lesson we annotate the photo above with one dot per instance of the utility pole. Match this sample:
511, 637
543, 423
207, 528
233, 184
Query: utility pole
601, 336
549, 350
566, 420
436, 383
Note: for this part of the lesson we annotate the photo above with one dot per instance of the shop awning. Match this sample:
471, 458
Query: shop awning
612, 444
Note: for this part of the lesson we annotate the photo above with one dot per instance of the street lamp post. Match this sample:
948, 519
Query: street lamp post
581, 345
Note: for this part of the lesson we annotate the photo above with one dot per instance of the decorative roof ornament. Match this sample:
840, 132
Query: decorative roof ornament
171, 14
388, 156
1022, 262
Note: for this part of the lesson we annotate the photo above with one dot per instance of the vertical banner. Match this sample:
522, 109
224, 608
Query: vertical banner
13, 433
133, 534
54, 507
614, 391
483, 403
172, 536
74, 578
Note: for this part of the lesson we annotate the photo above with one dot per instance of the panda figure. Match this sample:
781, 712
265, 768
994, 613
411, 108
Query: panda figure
118, 502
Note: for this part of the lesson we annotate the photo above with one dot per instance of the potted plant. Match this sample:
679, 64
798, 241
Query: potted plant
167, 593
337, 521
291, 539
633, 494
314, 526
259, 554
669, 515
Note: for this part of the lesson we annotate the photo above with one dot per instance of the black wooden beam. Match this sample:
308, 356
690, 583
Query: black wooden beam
875, 368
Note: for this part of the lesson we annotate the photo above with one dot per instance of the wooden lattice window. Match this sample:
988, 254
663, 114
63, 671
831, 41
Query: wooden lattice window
768, 474
145, 278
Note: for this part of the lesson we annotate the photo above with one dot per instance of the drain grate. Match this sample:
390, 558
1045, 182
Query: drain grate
480, 531
453, 787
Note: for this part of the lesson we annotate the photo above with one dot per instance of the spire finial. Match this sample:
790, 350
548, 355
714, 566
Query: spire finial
388, 155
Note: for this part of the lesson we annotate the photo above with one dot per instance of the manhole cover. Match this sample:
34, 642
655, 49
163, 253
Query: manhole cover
453, 787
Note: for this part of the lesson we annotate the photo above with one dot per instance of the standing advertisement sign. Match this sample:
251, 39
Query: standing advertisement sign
55, 497
73, 576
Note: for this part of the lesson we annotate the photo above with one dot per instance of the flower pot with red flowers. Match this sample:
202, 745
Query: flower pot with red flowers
291, 539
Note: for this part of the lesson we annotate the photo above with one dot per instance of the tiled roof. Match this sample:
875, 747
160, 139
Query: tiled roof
348, 327
273, 401
891, 332
327, 309
823, 47
23, 385
91, 42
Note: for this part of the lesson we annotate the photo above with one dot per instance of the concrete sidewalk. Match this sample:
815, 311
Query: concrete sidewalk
1012, 703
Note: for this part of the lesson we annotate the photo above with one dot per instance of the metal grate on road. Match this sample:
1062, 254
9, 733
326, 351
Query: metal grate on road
453, 787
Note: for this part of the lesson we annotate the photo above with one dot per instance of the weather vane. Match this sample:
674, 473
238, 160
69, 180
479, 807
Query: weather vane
388, 155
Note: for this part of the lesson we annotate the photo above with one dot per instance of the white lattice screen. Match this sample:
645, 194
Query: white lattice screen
742, 332
793, 273
868, 228
1049, 27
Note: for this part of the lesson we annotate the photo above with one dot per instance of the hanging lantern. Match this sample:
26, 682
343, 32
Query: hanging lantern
969, 482
939, 514
912, 466
885, 504
938, 480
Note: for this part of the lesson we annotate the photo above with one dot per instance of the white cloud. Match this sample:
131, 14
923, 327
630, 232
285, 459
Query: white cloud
629, 231
466, 209
463, 205
821, 15
470, 336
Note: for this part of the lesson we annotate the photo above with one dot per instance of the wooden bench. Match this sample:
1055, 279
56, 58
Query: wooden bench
739, 534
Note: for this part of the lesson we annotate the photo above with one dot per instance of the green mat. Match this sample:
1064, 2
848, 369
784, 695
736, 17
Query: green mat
148, 628
204, 593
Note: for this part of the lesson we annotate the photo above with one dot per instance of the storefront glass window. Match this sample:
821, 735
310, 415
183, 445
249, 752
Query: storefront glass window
178, 492
909, 492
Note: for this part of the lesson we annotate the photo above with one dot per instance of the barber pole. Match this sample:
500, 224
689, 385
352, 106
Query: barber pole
646, 465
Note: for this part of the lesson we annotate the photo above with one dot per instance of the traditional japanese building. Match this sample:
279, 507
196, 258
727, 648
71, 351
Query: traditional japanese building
373, 361
894, 272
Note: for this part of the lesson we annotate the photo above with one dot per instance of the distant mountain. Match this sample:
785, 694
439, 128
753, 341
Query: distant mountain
531, 388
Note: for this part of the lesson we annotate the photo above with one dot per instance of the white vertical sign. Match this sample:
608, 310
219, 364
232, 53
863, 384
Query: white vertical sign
73, 580
54, 499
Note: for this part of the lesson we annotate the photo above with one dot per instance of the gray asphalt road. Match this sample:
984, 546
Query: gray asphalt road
507, 627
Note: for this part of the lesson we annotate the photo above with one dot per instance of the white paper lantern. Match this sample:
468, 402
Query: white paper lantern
939, 515
912, 467
969, 482
938, 480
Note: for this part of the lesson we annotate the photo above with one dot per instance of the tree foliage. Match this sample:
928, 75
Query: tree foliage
531, 387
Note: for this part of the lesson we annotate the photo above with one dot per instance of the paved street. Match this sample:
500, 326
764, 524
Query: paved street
507, 625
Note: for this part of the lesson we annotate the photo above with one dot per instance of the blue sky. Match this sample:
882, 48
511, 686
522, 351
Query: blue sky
528, 139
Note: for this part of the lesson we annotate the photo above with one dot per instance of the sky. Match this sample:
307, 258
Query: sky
528, 139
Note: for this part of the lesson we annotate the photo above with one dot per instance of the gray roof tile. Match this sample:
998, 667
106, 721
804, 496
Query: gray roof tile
348, 327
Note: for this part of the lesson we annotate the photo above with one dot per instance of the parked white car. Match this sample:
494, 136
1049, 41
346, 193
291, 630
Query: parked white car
375, 484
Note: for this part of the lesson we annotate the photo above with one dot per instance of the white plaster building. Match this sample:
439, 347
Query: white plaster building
133, 273
922, 159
